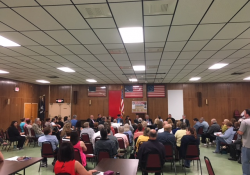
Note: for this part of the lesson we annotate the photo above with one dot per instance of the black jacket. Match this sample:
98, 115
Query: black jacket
187, 122
91, 123
13, 132
185, 141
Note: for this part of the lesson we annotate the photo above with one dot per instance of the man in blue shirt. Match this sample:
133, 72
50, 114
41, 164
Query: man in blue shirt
197, 124
119, 120
73, 121
204, 124
166, 137
48, 137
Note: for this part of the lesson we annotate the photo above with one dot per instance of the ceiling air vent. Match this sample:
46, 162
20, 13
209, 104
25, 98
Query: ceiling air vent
95, 11
237, 73
153, 49
126, 67
117, 51
52, 76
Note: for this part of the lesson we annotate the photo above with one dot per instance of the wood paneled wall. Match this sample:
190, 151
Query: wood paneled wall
15, 110
223, 99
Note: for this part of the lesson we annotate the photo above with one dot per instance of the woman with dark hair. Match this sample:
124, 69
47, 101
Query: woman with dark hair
22, 124
60, 122
189, 138
74, 139
14, 135
127, 120
66, 162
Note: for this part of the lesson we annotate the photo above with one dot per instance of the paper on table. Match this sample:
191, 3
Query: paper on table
12, 158
217, 133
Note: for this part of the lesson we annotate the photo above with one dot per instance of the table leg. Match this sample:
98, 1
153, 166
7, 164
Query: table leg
24, 171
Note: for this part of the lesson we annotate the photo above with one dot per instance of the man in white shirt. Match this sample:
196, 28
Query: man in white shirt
184, 120
87, 130
97, 134
162, 129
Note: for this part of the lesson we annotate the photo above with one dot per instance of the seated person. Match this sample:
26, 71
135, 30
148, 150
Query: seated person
48, 137
1, 157
210, 133
162, 129
197, 125
80, 145
105, 144
189, 138
178, 127
224, 126
142, 138
166, 137
179, 134
97, 134
120, 134
99, 119
66, 127
151, 146
73, 121
86, 129
136, 119
14, 135
127, 131
204, 124
144, 125
37, 127
170, 122
47, 123
91, 121
60, 122
159, 125
227, 137
112, 138
66, 162
148, 120
119, 119
67, 136
235, 147
139, 131
22, 124
95, 128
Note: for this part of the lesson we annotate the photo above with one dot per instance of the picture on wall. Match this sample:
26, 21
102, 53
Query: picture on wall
97, 91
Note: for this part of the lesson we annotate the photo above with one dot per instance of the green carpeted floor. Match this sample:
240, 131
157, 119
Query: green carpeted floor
221, 165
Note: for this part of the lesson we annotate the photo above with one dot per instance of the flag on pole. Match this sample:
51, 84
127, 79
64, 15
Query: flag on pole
122, 104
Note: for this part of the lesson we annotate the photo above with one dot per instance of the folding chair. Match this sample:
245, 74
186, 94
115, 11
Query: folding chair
85, 138
122, 149
102, 154
170, 154
153, 164
8, 142
116, 130
193, 153
47, 151
200, 130
33, 137
209, 166
90, 152
77, 155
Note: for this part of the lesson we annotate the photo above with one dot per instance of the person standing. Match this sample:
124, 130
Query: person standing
91, 121
184, 120
170, 117
73, 121
245, 150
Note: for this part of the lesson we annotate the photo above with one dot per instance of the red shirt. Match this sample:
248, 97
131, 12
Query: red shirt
65, 167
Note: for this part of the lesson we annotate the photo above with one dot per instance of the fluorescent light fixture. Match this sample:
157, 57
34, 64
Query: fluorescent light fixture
139, 68
3, 72
194, 78
248, 78
7, 43
135, 86
133, 79
103, 87
132, 34
65, 69
91, 80
218, 66
42, 81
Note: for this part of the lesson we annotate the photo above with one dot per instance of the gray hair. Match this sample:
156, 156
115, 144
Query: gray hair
121, 129
100, 127
74, 116
213, 121
126, 127
37, 119
202, 119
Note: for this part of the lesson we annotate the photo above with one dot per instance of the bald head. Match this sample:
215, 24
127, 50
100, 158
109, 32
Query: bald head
152, 134
167, 127
165, 123
213, 121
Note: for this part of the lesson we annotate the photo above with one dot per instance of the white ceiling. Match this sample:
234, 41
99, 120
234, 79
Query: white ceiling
193, 35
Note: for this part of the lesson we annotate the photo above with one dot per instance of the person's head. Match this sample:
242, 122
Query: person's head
74, 137
104, 118
247, 113
47, 131
233, 120
28, 121
118, 116
213, 121
225, 121
237, 125
191, 131
146, 131
95, 125
106, 125
170, 121
183, 116
56, 117
195, 120
108, 130
68, 133
127, 118
37, 121
165, 122
178, 124
169, 116
66, 152
65, 118
22, 119
156, 121
104, 133
202, 119
144, 124
53, 120
159, 125
121, 129
126, 127
137, 116
152, 134
59, 119
100, 127
146, 117
139, 120
91, 117
168, 128
183, 126
139, 127
86, 124
99, 116
13, 124
74, 117
47, 120
66, 127
229, 124
114, 121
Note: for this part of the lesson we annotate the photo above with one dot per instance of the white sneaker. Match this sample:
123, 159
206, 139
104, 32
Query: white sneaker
204, 144
210, 143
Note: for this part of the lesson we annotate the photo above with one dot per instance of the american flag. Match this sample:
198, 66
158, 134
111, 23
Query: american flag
156, 90
133, 91
122, 104
97, 91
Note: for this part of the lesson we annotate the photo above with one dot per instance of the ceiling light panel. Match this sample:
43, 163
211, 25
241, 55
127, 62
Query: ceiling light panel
65, 69
139, 68
42, 81
7, 43
133, 79
131, 34
3, 72
91, 80
218, 66
247, 78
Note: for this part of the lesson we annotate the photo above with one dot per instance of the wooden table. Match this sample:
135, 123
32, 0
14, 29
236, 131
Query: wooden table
11, 167
123, 166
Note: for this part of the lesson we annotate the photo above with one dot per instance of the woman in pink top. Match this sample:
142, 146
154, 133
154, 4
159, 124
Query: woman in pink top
74, 139
140, 131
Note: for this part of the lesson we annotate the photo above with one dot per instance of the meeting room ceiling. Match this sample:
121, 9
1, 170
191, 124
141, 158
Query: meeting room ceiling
181, 40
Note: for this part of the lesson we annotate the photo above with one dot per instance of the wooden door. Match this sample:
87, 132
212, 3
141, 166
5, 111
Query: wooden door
27, 110
31, 111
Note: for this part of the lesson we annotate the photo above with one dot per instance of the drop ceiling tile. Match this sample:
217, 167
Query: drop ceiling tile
216, 44
120, 57
53, 2
155, 44
134, 47
243, 15
94, 10
85, 36
166, 62
88, 58
155, 34
66, 39
197, 61
195, 45
160, 20
174, 46
104, 57
136, 56
5, 28
59, 50
170, 55
223, 53
8, 52
96, 23
77, 49
109, 63
114, 46
187, 55
205, 54
23, 51
153, 56
72, 58
180, 33
96, 49
239, 54
237, 44
108, 35
96, 64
